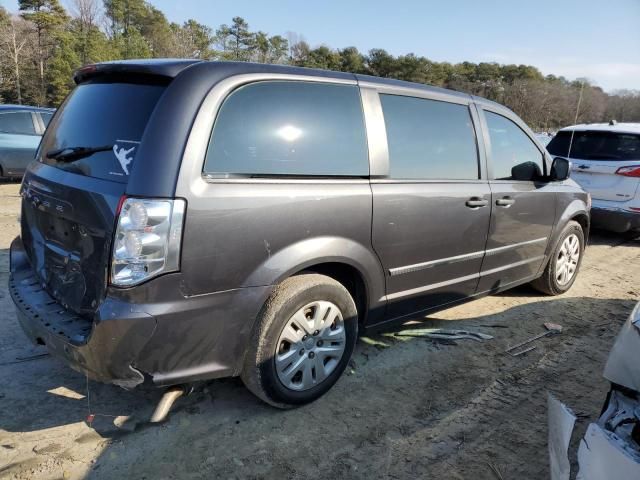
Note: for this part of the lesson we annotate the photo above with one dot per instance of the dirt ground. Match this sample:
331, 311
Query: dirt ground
405, 409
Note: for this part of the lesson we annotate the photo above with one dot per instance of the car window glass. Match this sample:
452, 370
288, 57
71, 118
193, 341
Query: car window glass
17, 122
596, 145
510, 147
289, 128
46, 118
117, 114
429, 139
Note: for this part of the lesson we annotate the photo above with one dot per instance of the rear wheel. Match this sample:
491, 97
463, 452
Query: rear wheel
563, 266
302, 342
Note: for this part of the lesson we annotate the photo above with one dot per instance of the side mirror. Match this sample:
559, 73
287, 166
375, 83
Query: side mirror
526, 171
560, 169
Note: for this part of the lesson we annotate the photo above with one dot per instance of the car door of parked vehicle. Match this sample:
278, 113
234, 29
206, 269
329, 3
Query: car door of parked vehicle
522, 211
431, 210
19, 141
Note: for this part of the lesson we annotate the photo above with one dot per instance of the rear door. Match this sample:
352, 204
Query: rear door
19, 139
69, 207
522, 212
597, 156
431, 210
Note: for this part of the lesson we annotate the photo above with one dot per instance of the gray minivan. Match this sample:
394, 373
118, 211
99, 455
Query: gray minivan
190, 220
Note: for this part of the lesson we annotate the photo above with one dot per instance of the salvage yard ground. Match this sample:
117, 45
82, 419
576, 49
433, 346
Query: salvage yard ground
406, 408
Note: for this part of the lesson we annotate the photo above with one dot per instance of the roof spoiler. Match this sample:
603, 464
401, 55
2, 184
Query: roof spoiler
154, 68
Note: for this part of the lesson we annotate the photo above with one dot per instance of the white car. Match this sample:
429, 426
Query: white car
606, 163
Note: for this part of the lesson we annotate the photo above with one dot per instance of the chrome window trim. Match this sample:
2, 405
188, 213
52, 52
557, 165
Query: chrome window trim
416, 92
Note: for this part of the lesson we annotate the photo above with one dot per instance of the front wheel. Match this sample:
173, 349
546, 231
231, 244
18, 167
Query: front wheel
303, 340
562, 268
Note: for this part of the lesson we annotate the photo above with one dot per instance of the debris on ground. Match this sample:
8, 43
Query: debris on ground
444, 334
552, 329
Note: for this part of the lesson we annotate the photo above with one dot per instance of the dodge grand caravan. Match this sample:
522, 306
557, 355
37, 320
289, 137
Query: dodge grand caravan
189, 220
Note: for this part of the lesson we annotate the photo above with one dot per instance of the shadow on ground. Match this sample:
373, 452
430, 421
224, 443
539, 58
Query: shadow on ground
223, 430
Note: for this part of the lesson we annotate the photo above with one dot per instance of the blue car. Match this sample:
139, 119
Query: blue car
21, 128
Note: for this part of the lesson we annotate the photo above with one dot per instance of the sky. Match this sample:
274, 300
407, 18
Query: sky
574, 38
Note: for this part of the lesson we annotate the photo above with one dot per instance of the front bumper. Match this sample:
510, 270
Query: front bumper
149, 333
614, 219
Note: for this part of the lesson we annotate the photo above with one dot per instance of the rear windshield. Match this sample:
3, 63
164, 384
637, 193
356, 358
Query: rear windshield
594, 145
108, 115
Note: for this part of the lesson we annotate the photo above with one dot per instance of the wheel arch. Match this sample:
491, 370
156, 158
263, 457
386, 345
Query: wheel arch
343, 259
351, 278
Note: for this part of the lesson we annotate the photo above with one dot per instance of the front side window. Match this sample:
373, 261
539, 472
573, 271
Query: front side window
17, 122
510, 147
289, 128
429, 139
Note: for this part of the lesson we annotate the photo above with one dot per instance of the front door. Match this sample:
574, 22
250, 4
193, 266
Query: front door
431, 214
523, 211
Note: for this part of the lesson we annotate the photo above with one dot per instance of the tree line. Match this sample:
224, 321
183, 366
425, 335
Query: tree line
43, 43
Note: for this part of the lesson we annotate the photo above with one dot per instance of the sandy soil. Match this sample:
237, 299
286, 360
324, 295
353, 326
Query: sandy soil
405, 409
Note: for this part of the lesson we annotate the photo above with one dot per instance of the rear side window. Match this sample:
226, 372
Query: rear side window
595, 145
289, 128
17, 123
429, 139
109, 115
510, 146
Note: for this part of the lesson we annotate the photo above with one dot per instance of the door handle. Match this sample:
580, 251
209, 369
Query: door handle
476, 202
505, 202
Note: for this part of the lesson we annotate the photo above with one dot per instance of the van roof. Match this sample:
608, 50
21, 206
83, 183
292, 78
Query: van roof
171, 68
604, 127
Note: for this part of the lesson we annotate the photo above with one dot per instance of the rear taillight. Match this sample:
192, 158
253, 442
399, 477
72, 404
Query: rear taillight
630, 171
147, 240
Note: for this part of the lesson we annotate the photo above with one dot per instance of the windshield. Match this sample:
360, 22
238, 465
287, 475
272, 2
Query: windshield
596, 145
96, 115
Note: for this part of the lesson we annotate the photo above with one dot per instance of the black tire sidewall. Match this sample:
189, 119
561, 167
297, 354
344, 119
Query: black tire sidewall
572, 228
270, 381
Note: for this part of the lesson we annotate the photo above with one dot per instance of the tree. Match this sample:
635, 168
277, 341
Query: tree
86, 16
351, 60
49, 17
194, 40
236, 42
16, 44
125, 19
380, 63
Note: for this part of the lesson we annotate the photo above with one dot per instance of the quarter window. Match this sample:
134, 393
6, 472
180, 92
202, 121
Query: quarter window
510, 147
289, 128
429, 139
17, 122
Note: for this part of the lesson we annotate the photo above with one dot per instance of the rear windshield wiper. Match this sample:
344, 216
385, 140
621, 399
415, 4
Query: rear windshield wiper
71, 154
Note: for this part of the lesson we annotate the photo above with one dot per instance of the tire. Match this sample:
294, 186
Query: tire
549, 282
313, 296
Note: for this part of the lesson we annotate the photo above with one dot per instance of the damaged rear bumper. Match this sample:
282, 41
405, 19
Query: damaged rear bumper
152, 333
106, 351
